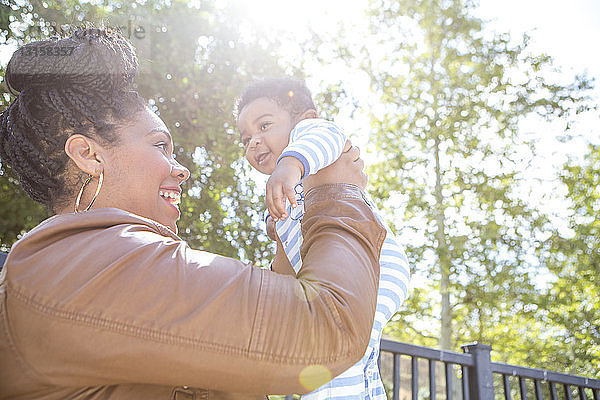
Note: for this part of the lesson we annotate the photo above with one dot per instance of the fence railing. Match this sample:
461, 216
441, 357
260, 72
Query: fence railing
472, 376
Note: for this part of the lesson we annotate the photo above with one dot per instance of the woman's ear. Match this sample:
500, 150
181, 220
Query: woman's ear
85, 153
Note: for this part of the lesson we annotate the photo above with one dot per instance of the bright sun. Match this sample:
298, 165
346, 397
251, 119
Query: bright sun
299, 16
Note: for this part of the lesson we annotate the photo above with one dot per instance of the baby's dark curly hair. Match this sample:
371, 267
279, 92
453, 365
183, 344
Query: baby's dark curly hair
291, 94
79, 84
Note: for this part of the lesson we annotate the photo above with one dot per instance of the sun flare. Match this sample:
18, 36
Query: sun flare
299, 16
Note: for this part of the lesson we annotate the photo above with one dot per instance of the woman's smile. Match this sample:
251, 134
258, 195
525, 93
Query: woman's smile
171, 195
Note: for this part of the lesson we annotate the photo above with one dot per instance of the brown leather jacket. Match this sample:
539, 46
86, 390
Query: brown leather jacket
109, 305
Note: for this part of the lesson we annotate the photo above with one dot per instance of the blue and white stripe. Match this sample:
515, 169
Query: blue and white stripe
318, 143
289, 231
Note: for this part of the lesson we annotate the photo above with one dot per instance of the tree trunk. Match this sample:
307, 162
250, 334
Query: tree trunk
442, 247
443, 257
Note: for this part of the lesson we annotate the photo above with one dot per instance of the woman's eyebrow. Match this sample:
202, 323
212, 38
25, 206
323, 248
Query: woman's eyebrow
159, 131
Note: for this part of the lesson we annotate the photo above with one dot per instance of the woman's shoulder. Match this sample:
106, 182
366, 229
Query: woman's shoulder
102, 231
97, 219
82, 246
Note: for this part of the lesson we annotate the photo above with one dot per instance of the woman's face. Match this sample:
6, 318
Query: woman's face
141, 174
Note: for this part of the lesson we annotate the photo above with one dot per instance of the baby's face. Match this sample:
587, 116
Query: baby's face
265, 130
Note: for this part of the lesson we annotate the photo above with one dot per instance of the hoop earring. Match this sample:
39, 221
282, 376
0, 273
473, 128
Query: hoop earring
88, 180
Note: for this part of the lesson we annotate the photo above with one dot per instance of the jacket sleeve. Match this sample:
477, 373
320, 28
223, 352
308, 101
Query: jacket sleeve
125, 304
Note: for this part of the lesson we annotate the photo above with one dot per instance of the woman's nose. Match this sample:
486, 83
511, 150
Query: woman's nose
180, 172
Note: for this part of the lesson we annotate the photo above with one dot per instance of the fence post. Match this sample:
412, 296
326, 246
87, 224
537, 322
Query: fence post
481, 378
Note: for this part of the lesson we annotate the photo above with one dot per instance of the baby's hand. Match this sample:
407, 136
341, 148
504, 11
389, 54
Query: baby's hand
281, 184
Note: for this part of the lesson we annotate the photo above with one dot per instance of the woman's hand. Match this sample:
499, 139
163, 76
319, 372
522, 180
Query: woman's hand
346, 169
271, 231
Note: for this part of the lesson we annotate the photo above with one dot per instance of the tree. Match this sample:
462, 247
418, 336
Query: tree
194, 61
571, 306
18, 212
451, 161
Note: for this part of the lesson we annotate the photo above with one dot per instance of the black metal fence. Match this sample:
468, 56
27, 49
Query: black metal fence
472, 376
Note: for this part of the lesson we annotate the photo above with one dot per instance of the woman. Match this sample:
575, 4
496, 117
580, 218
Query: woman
103, 300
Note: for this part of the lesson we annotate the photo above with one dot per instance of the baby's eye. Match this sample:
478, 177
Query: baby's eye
264, 126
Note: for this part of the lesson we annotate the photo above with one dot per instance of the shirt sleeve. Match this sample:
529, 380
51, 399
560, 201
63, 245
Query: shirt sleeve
316, 143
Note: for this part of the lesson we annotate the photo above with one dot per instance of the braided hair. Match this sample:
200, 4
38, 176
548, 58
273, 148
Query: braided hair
78, 84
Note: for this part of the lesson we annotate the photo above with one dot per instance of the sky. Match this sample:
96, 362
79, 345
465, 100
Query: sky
564, 30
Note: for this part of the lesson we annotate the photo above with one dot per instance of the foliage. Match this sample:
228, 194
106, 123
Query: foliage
18, 213
450, 170
194, 62
571, 308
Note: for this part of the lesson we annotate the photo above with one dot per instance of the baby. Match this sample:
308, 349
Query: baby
284, 138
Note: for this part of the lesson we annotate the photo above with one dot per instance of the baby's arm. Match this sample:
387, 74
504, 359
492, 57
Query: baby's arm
314, 144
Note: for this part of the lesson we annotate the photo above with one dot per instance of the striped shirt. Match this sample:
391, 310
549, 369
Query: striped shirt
317, 143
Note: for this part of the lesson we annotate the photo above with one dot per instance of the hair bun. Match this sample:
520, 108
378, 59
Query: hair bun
90, 59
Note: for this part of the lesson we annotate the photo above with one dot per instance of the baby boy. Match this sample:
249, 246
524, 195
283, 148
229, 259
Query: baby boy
284, 138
